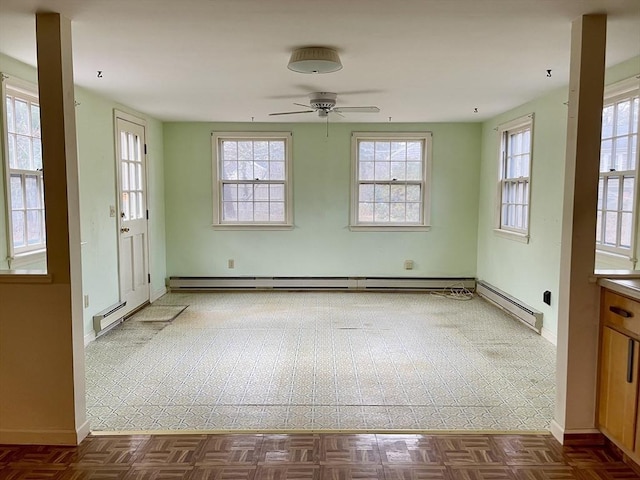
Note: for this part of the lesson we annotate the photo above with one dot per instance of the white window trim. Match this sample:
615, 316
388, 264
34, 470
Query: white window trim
218, 224
522, 236
20, 260
39, 254
613, 92
512, 235
427, 138
625, 261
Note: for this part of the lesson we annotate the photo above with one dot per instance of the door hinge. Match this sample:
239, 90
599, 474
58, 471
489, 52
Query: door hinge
149, 277
145, 148
147, 214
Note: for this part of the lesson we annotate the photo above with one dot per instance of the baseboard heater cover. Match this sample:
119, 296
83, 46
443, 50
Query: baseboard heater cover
527, 315
317, 283
108, 317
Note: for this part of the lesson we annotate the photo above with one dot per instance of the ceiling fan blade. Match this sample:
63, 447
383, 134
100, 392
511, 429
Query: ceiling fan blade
302, 105
333, 110
291, 113
357, 109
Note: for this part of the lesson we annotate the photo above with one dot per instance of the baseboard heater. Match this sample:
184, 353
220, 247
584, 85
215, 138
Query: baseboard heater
527, 315
108, 317
317, 283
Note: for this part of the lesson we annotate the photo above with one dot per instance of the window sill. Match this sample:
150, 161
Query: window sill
258, 226
606, 259
515, 236
28, 258
617, 255
24, 276
389, 228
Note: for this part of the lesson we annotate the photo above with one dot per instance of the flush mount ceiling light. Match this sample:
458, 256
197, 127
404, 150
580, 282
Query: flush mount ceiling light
314, 60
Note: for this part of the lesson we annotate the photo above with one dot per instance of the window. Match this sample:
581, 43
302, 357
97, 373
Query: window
252, 180
391, 180
23, 168
515, 177
618, 166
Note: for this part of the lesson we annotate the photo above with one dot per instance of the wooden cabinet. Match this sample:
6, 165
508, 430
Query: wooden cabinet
619, 396
636, 450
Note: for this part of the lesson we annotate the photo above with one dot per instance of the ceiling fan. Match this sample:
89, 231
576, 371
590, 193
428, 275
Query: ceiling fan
325, 103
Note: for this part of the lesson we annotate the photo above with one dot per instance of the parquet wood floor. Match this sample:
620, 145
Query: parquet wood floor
313, 457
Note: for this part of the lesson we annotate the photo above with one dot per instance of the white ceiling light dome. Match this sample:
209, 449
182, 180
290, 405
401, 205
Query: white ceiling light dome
314, 60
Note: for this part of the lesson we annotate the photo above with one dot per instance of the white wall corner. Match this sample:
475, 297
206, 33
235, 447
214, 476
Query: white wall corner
156, 294
89, 337
549, 336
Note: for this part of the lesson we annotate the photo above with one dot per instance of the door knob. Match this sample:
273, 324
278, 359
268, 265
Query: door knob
124, 230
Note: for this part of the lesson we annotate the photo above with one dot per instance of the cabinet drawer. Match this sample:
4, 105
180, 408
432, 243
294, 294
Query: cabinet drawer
621, 311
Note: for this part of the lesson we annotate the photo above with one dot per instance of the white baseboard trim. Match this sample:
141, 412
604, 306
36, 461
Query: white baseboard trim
557, 431
44, 437
89, 337
560, 434
549, 335
83, 431
156, 294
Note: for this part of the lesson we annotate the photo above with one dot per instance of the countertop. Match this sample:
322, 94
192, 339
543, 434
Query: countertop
629, 287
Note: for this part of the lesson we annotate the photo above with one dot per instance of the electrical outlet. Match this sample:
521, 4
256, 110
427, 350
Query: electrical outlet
408, 264
112, 210
86, 301
231, 263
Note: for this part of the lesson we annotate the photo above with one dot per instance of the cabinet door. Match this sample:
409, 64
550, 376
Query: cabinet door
637, 449
618, 396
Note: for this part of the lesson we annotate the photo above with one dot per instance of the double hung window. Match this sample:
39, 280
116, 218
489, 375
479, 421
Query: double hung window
252, 173
23, 168
516, 142
390, 180
618, 170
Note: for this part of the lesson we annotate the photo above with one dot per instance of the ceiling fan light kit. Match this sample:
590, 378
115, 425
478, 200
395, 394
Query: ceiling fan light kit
314, 60
320, 60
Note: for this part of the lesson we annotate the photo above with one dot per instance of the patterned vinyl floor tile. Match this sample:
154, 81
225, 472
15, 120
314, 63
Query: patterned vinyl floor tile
268, 361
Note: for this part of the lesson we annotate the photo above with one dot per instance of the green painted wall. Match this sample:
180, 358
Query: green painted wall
96, 158
321, 243
461, 241
527, 270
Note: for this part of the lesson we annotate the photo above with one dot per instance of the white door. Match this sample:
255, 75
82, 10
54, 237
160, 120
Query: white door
132, 224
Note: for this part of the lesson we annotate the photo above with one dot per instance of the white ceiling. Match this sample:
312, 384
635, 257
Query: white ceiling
226, 60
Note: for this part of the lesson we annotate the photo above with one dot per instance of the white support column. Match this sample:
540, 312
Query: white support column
578, 305
62, 197
42, 385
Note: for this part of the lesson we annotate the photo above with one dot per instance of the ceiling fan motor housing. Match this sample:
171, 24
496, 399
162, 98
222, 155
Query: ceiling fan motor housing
323, 100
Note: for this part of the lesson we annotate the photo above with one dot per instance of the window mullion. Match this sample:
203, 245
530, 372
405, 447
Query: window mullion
619, 212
